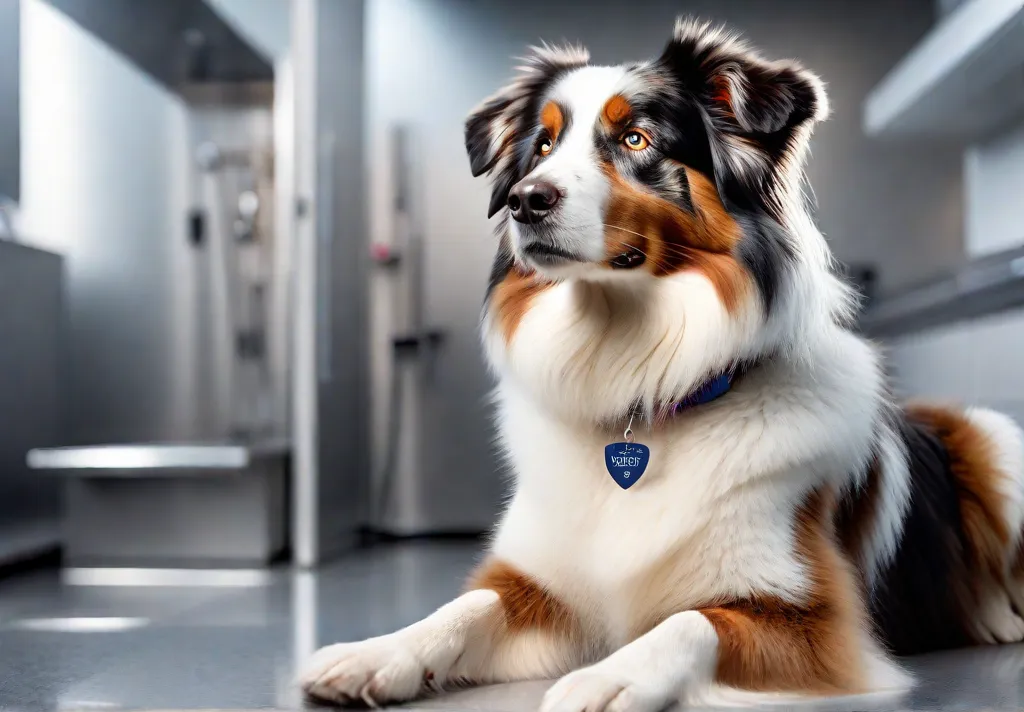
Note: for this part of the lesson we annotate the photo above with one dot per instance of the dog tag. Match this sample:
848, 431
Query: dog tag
626, 462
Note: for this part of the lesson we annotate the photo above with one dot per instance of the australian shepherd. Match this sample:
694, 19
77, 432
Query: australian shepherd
714, 491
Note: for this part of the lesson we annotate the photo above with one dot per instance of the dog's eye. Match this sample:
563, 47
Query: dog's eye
545, 146
635, 141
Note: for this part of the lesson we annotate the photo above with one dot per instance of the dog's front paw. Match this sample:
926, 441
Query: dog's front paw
374, 671
600, 688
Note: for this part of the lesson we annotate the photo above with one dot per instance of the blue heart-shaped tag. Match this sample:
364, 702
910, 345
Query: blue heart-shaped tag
626, 462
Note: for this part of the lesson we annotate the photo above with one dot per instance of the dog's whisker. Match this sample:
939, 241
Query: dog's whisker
631, 232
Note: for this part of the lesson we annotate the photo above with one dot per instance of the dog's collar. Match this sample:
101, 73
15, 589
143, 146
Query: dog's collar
627, 461
710, 389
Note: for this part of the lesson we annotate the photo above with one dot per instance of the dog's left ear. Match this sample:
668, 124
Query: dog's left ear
738, 86
499, 131
758, 112
768, 98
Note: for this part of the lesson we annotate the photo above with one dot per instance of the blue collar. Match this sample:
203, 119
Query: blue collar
710, 390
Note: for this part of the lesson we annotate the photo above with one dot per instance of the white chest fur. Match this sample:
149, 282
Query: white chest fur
692, 531
712, 518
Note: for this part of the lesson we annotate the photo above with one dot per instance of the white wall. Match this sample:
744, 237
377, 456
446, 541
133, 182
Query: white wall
994, 186
266, 24
977, 362
103, 152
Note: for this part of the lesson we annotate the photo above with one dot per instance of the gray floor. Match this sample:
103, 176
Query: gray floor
236, 647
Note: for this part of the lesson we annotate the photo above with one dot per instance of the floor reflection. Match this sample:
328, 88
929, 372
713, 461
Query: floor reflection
223, 647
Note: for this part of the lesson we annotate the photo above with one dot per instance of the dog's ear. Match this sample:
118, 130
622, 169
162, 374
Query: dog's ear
498, 131
758, 113
768, 98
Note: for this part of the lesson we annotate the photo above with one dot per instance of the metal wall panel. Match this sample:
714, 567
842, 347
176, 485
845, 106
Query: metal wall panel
331, 397
10, 43
31, 394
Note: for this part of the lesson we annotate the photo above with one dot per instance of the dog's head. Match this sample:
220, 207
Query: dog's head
652, 168
672, 188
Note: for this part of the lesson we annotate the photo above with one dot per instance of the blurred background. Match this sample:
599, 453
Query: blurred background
243, 410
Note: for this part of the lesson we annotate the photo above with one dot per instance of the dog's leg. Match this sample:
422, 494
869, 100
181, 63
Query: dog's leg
743, 647
648, 674
505, 629
401, 665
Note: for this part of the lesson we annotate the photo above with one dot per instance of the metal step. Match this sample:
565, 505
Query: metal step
187, 505
157, 460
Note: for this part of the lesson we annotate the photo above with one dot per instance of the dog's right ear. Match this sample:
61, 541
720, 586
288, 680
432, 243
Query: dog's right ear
498, 131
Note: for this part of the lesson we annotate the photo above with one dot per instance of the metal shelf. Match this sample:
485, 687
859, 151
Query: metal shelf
963, 81
982, 287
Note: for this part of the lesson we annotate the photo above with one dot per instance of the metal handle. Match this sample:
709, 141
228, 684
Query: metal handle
324, 258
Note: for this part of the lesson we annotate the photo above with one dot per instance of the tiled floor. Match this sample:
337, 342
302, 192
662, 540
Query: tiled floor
225, 647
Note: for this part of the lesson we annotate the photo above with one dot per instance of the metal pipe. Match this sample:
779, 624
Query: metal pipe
6, 222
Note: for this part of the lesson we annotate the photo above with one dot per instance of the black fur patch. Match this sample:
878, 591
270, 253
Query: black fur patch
605, 145
692, 127
478, 135
684, 137
681, 132
766, 252
746, 104
502, 265
518, 106
922, 598
684, 200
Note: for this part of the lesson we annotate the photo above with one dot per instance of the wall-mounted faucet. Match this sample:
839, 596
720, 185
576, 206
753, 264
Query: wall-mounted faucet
248, 209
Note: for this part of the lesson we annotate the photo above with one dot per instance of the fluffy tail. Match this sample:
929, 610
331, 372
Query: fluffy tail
999, 463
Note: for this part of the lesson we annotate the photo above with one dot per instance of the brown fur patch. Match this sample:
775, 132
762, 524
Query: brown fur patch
675, 240
527, 605
972, 461
616, 113
552, 119
726, 275
723, 94
718, 230
512, 297
768, 644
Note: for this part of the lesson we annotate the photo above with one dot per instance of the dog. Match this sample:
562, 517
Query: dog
662, 309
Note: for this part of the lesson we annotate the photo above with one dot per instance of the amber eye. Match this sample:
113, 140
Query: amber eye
545, 147
635, 141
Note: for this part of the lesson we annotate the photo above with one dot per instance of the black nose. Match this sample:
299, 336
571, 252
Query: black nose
530, 202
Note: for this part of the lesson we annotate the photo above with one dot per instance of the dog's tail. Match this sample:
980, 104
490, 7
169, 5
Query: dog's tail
1005, 441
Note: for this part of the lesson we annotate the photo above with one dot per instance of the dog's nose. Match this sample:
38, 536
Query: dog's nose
530, 202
